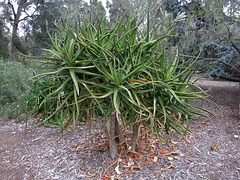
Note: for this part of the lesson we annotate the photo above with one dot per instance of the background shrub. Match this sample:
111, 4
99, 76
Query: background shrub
14, 87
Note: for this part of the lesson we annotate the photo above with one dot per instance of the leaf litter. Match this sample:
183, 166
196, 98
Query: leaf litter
37, 154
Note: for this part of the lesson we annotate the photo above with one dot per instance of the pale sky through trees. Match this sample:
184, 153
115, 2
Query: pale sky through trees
21, 31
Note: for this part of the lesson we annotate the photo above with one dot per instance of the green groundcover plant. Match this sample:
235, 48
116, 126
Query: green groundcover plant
119, 74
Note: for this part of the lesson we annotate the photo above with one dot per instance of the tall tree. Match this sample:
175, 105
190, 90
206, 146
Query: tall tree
129, 8
75, 9
16, 11
3, 41
80, 10
42, 22
212, 29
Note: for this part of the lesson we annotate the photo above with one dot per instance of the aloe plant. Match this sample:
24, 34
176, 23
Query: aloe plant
121, 74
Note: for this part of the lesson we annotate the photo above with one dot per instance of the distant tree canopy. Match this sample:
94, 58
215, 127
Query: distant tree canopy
211, 29
41, 23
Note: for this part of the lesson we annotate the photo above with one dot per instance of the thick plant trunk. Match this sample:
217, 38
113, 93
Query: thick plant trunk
113, 133
134, 136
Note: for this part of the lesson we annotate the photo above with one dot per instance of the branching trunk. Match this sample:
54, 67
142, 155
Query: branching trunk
113, 135
117, 131
134, 136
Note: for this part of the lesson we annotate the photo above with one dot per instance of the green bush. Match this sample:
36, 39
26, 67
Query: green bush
121, 74
14, 87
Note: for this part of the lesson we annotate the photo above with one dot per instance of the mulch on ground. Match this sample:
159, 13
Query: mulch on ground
212, 151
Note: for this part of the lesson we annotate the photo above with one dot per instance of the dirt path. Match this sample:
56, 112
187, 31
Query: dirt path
211, 152
206, 82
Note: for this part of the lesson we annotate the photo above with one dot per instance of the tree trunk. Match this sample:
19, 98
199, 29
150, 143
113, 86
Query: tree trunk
113, 136
22, 4
134, 136
13, 39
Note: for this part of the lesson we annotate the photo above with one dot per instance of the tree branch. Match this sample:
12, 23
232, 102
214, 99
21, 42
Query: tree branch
211, 59
25, 18
229, 37
28, 15
235, 46
10, 4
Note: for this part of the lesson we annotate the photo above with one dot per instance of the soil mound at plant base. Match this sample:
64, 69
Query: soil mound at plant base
211, 152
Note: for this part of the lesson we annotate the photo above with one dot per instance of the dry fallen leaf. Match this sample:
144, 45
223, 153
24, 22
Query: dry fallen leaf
177, 157
177, 152
236, 136
130, 164
117, 170
79, 148
174, 142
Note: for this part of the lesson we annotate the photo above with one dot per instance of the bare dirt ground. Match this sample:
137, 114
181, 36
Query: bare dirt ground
211, 152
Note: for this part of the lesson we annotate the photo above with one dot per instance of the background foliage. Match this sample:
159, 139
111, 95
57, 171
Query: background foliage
3, 42
14, 87
210, 27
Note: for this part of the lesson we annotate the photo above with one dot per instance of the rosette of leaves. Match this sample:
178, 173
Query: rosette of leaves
122, 75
